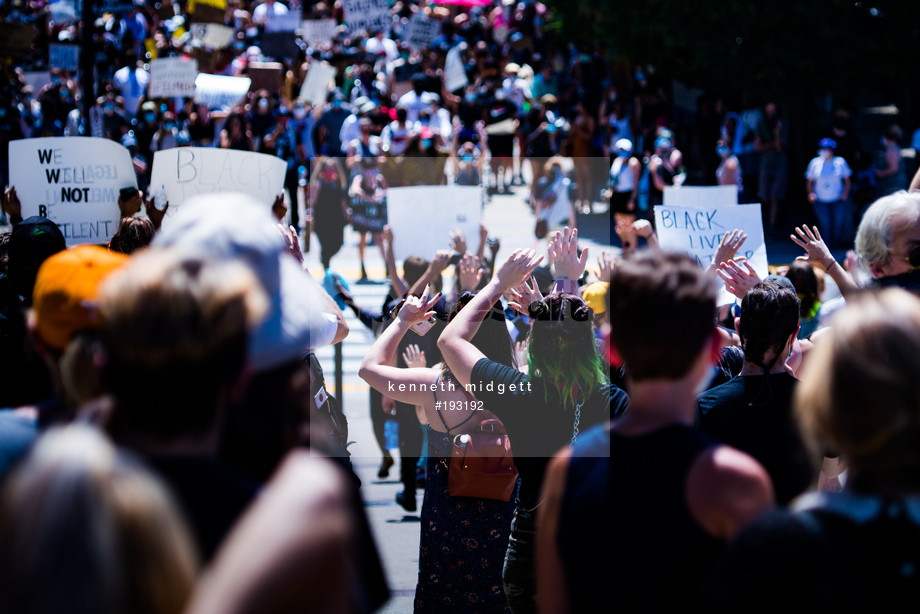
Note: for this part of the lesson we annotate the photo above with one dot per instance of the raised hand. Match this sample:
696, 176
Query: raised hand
440, 261
729, 246
292, 242
738, 281
815, 248
388, 235
418, 308
127, 207
11, 202
643, 228
155, 215
279, 209
606, 264
414, 358
483, 233
563, 251
518, 267
458, 241
524, 295
469, 272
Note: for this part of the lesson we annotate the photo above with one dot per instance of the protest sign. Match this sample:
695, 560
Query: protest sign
212, 35
701, 196
63, 11
287, 22
318, 32
172, 77
422, 31
16, 36
279, 45
315, 86
113, 7
207, 60
185, 172
37, 80
265, 76
66, 57
207, 11
454, 72
367, 15
74, 182
218, 91
425, 215
698, 230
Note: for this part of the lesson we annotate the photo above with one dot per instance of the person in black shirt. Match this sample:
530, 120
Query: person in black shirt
753, 411
566, 391
856, 550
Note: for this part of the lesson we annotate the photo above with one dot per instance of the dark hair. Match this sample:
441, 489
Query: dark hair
133, 234
662, 313
893, 133
562, 353
413, 269
805, 280
4, 244
492, 338
32, 241
769, 315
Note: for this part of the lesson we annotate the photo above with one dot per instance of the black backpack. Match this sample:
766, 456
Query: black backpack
324, 409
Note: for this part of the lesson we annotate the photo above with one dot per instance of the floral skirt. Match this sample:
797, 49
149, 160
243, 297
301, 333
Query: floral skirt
462, 545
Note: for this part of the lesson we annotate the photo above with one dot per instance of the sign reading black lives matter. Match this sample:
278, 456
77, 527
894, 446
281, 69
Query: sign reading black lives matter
74, 182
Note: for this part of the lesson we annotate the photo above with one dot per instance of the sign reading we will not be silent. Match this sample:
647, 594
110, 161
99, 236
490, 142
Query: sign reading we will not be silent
74, 182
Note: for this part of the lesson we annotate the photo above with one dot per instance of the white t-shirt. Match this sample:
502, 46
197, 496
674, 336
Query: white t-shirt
132, 84
384, 46
828, 176
413, 104
261, 13
350, 131
396, 137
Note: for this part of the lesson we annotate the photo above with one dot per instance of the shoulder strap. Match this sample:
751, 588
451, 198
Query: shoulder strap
437, 408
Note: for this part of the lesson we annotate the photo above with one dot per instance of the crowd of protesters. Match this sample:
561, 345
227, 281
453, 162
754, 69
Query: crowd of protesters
586, 439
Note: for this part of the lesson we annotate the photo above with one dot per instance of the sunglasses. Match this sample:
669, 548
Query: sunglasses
914, 256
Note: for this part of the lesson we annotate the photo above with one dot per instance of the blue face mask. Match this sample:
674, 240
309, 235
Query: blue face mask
426, 143
465, 157
150, 117
470, 96
623, 153
336, 104
722, 151
170, 126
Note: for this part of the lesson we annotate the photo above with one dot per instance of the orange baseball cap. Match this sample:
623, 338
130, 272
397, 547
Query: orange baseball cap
65, 290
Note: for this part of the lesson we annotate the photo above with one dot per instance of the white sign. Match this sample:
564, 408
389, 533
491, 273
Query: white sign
172, 77
367, 15
74, 182
37, 80
95, 122
186, 172
212, 35
315, 86
287, 22
318, 32
698, 230
422, 217
66, 57
217, 91
454, 72
701, 196
422, 31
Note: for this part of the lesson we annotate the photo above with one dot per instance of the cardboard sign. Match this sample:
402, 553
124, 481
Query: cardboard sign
288, 22
185, 172
218, 91
212, 35
74, 182
317, 32
172, 77
207, 11
280, 45
701, 196
424, 216
698, 230
454, 72
367, 15
207, 60
422, 31
265, 76
16, 36
315, 86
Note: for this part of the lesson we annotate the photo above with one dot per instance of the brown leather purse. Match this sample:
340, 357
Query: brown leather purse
481, 464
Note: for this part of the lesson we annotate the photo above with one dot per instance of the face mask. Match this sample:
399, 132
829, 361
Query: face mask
722, 151
426, 143
109, 109
336, 104
825, 153
466, 157
263, 104
300, 112
328, 174
150, 117
623, 153
470, 96
170, 126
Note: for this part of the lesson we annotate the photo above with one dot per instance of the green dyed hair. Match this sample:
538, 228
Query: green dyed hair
562, 352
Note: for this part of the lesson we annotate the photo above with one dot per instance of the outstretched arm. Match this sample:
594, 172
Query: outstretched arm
817, 252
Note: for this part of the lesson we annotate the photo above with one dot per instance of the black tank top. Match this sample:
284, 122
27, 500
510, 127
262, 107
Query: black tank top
627, 537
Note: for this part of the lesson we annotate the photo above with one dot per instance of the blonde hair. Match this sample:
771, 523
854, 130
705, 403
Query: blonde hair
84, 530
859, 392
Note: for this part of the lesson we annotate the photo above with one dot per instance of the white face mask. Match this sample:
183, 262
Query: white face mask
263, 103
825, 153
300, 112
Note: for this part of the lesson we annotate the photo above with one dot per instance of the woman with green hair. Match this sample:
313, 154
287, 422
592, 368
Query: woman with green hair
566, 391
